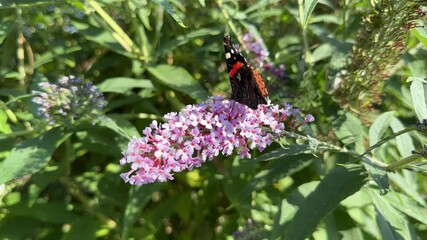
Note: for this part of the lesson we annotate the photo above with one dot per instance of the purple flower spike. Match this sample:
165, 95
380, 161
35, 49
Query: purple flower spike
201, 132
69, 99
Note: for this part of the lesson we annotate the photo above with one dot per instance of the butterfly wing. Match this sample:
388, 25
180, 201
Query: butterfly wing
247, 85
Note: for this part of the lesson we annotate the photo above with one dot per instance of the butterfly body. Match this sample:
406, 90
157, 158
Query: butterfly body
247, 85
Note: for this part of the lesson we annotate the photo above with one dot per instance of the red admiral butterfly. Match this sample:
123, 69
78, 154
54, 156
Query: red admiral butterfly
247, 85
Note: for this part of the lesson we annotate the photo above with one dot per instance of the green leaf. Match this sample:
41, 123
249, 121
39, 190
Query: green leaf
419, 98
407, 206
54, 53
336, 186
349, 130
404, 141
139, 196
123, 84
392, 224
179, 79
52, 212
165, 4
378, 128
31, 155
185, 38
279, 153
101, 36
309, 6
282, 165
289, 206
111, 124
407, 182
421, 33
83, 228
322, 52
378, 174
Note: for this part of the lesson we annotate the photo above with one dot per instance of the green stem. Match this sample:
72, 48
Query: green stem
139, 30
14, 99
228, 19
118, 33
20, 48
382, 141
401, 163
303, 24
334, 148
17, 134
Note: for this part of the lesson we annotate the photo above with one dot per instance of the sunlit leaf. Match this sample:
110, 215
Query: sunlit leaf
419, 98
123, 84
179, 79
340, 183
165, 4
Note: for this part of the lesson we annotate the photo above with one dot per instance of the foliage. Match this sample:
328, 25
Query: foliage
356, 172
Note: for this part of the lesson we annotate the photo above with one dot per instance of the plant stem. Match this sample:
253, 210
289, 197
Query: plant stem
384, 140
401, 163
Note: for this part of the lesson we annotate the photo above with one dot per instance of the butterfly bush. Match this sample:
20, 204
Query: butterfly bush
257, 48
202, 132
68, 99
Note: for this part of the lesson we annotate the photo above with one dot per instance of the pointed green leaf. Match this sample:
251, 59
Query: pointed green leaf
349, 130
407, 206
404, 141
419, 98
165, 4
309, 6
139, 196
336, 186
378, 128
378, 174
291, 150
31, 155
179, 79
123, 84
392, 224
103, 37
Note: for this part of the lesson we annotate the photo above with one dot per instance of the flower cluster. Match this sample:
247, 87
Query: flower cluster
257, 48
67, 100
359, 85
201, 132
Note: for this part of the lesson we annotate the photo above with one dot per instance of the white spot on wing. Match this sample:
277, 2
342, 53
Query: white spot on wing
227, 55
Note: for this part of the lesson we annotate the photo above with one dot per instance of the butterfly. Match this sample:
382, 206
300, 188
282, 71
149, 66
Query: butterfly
247, 85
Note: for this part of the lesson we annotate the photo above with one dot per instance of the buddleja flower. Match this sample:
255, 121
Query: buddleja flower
202, 132
67, 100
260, 53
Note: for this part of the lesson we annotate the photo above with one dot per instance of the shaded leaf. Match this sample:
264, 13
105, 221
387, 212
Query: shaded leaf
139, 196
31, 155
282, 166
278, 153
378, 174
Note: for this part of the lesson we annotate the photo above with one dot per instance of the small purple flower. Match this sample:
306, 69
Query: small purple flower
257, 48
67, 100
201, 132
